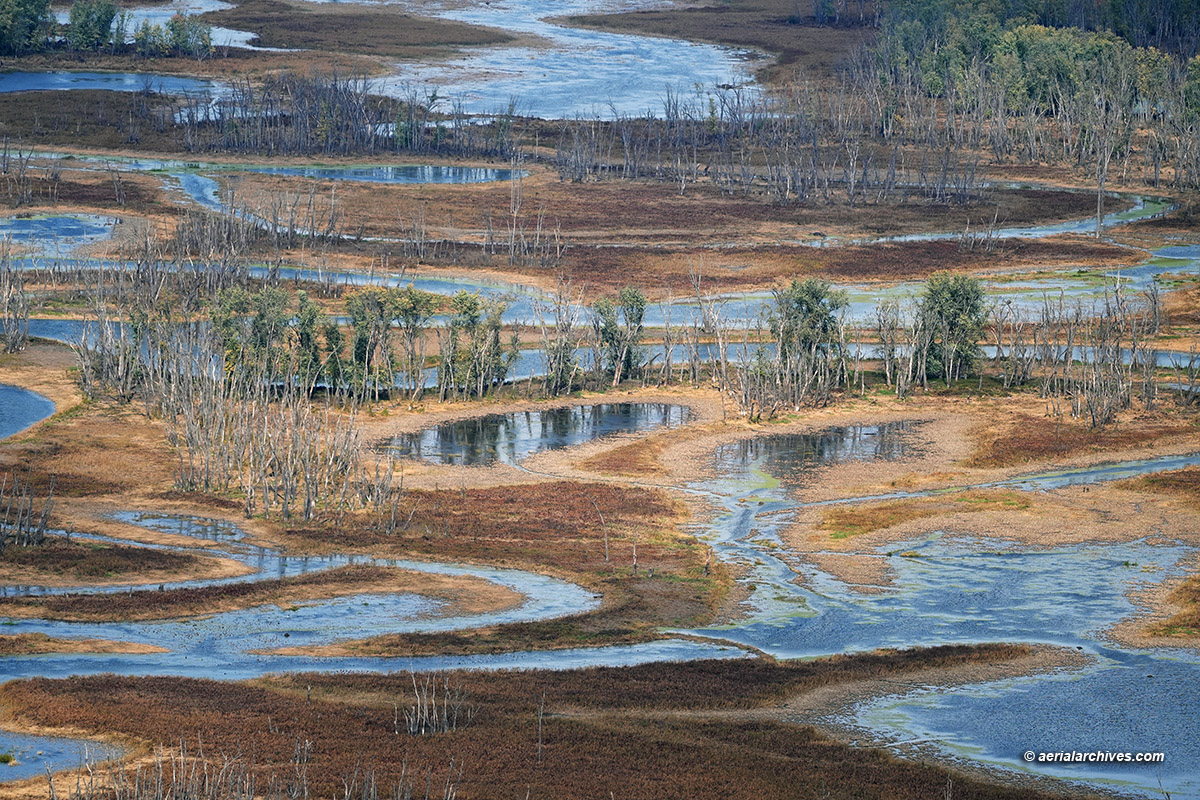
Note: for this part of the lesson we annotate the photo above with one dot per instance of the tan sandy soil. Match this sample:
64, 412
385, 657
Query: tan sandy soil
26, 644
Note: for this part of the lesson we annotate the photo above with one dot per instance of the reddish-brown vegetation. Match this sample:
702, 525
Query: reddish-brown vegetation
83, 560
371, 31
553, 524
1028, 438
605, 730
781, 27
548, 526
185, 601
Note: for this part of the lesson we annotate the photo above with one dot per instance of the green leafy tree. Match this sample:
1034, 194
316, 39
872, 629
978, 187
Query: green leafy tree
189, 36
618, 329
474, 357
952, 315
90, 23
151, 41
308, 348
24, 25
805, 316
411, 311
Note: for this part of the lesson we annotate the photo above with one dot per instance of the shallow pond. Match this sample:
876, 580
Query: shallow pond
33, 755
20, 408
109, 81
399, 174
510, 438
54, 234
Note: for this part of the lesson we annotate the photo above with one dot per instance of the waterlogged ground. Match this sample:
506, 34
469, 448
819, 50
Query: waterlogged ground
32, 755
225, 645
1026, 293
946, 590
942, 590
109, 81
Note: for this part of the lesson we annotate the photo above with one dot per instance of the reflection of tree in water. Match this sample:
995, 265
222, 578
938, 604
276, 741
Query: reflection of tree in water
508, 438
787, 456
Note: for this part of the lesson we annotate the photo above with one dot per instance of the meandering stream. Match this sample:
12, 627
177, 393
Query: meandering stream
943, 589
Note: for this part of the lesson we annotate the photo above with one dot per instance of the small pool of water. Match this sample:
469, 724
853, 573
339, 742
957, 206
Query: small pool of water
51, 234
400, 174
33, 755
20, 408
110, 81
510, 438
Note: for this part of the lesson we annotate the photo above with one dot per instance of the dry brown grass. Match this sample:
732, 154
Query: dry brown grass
82, 560
224, 63
634, 459
781, 27
644, 212
1183, 483
100, 118
853, 520
1185, 623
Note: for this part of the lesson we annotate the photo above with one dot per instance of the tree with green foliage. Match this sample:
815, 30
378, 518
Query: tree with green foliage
89, 25
411, 310
307, 345
805, 316
372, 360
252, 329
189, 36
804, 321
24, 25
474, 357
335, 372
618, 330
151, 41
952, 315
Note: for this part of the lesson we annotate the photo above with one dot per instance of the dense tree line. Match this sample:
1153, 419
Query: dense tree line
1172, 25
24, 25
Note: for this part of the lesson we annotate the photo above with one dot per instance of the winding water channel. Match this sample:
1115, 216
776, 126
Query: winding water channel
945, 589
